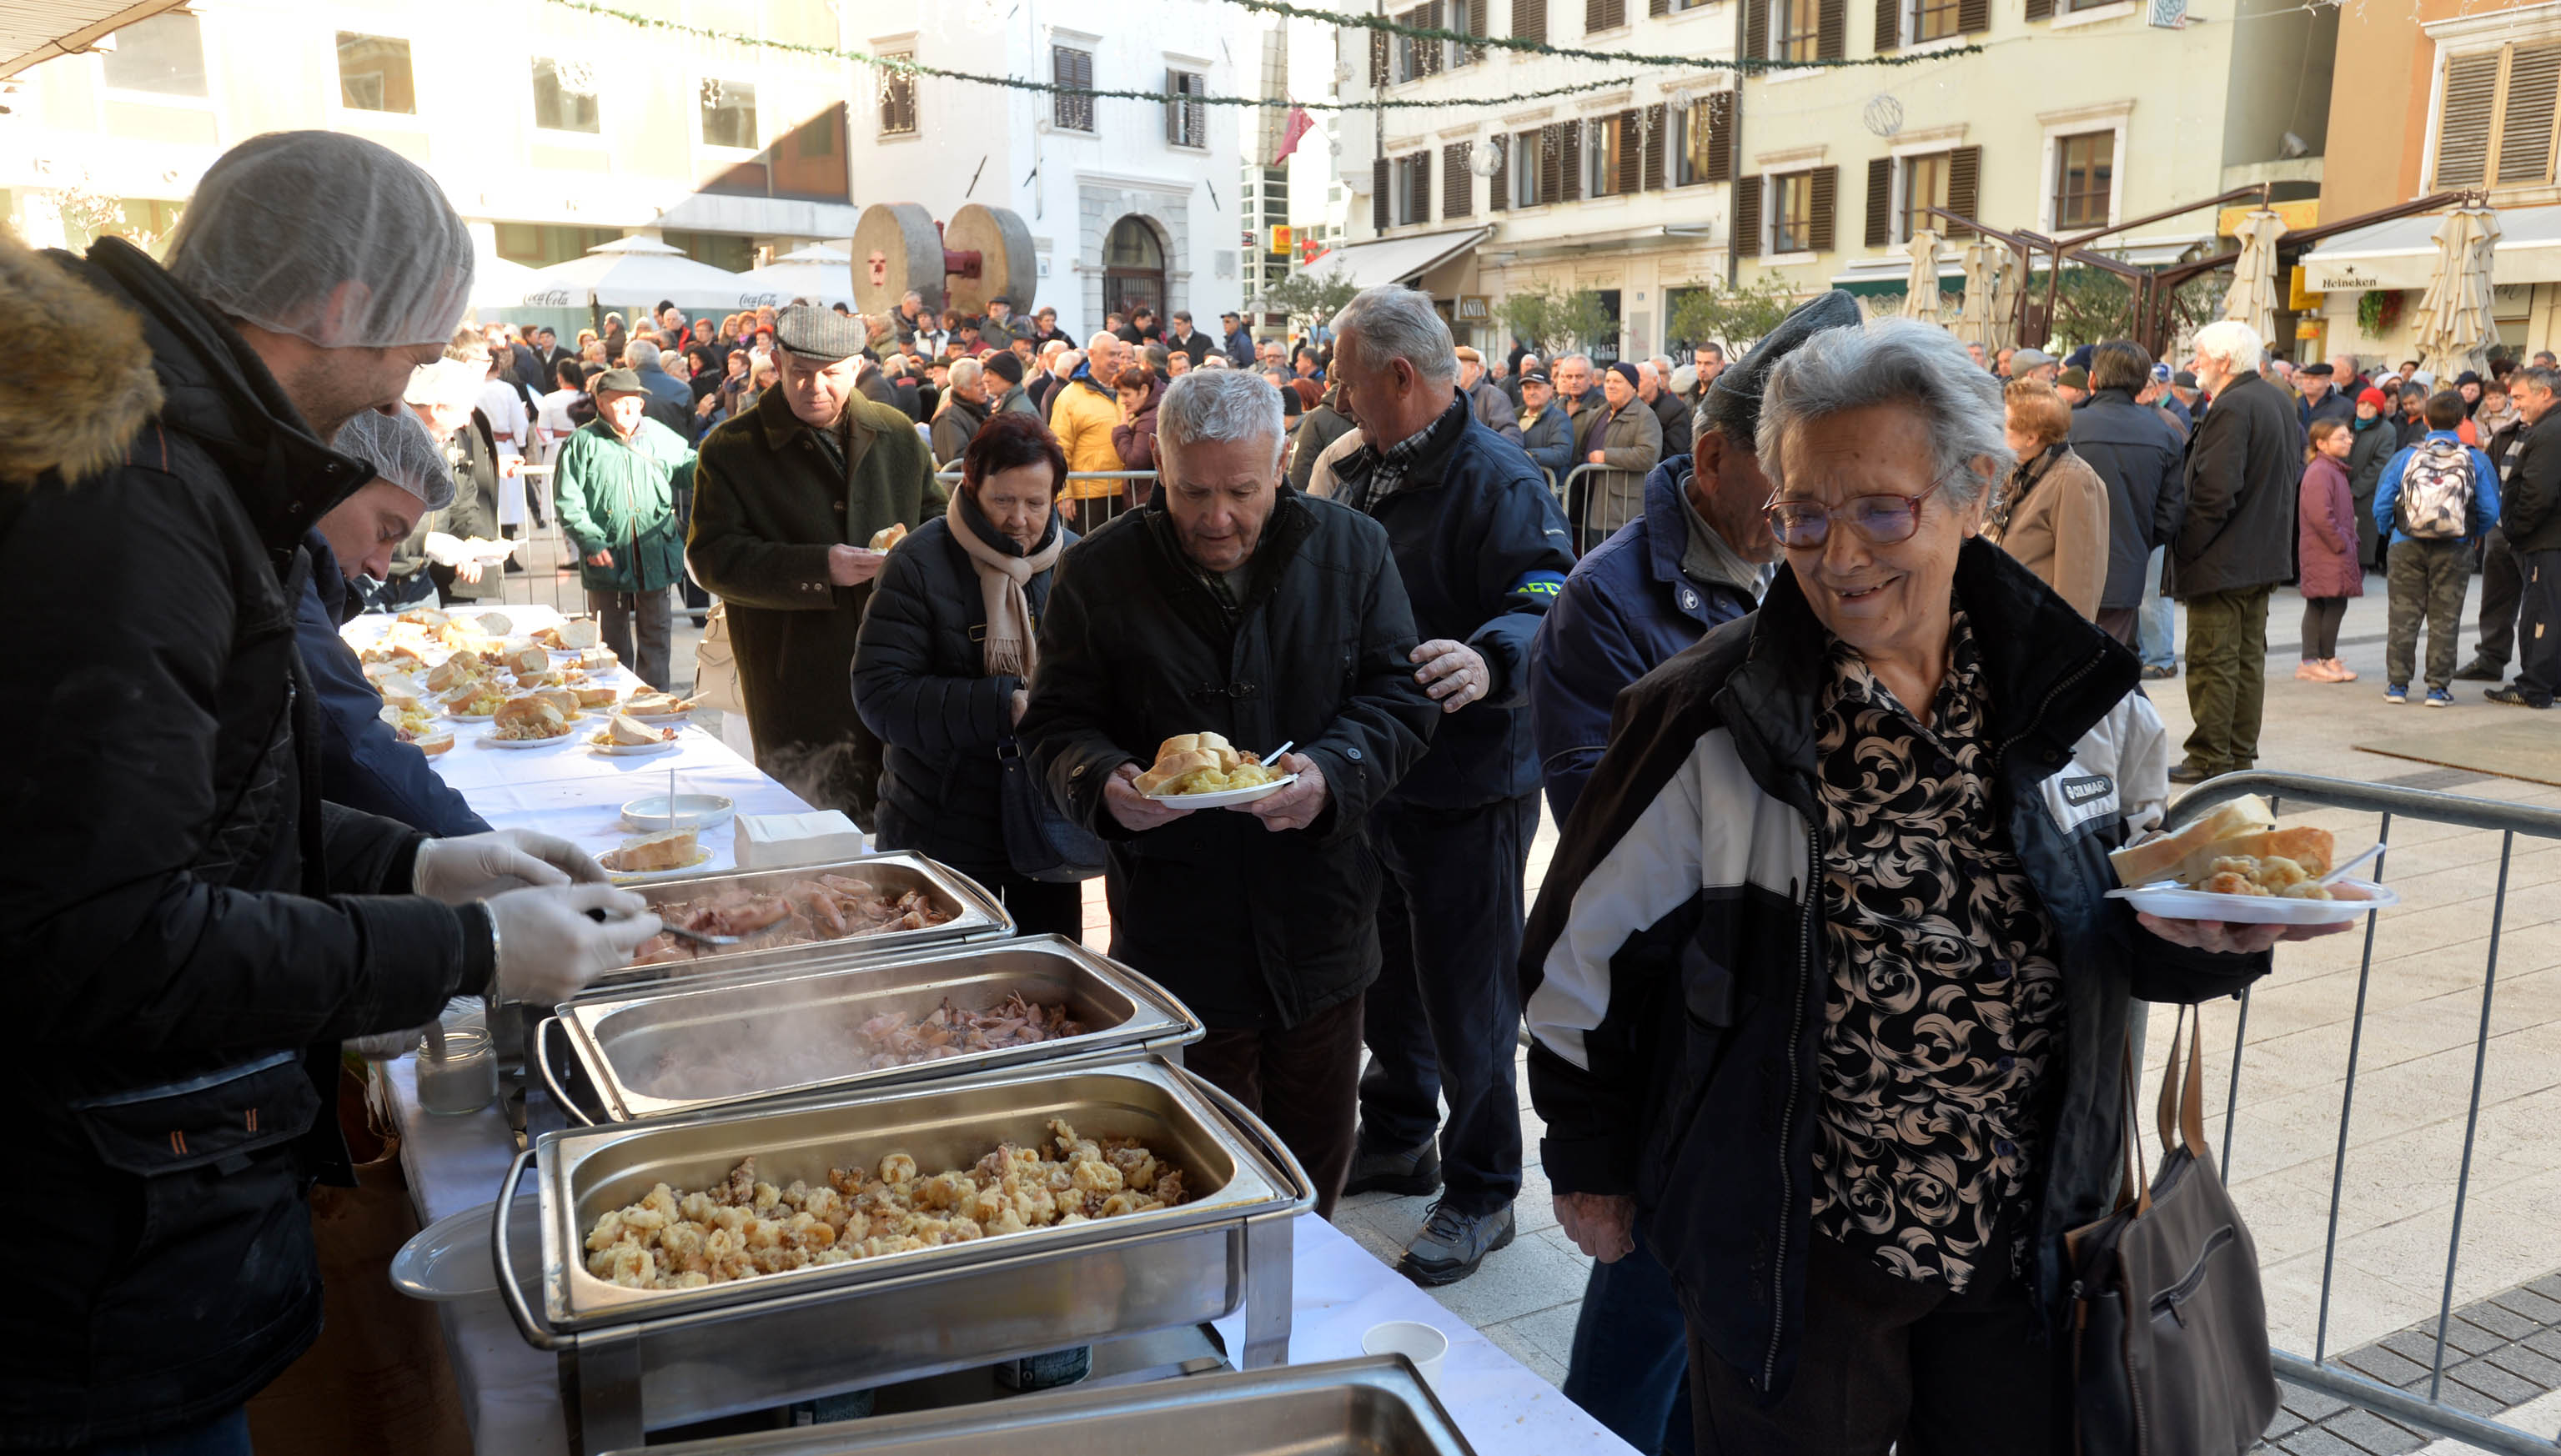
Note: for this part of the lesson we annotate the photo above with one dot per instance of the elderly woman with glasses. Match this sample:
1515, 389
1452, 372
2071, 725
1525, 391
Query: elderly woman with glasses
1823, 980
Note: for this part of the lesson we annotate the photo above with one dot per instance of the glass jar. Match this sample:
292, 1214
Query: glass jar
463, 1080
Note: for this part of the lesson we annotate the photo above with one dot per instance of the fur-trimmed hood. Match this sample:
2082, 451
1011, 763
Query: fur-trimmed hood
75, 375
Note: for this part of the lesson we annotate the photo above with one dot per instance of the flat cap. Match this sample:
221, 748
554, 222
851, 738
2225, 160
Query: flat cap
2183, 379
619, 381
2075, 378
2318, 370
819, 334
1742, 379
1531, 373
2027, 359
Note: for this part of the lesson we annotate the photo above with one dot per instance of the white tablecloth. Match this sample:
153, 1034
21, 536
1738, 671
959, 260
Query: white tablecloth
510, 1390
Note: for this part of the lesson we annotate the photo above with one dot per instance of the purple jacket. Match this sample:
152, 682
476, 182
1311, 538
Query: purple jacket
2328, 546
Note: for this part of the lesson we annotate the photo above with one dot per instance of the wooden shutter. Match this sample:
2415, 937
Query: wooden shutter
1658, 7
1569, 167
1602, 15
1529, 20
1965, 189
1831, 30
2040, 10
1747, 216
1826, 185
1658, 140
1498, 197
2462, 128
1173, 110
1379, 217
1889, 24
2525, 121
1975, 16
1630, 158
1551, 165
1458, 183
1720, 137
1880, 202
1423, 187
1756, 30
1475, 26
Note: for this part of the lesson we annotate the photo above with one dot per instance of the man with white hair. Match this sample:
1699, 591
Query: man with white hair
1083, 412
1481, 548
1493, 407
964, 409
1232, 605
2236, 544
192, 932
671, 404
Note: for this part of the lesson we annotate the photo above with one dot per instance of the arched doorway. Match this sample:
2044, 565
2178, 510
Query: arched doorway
1133, 267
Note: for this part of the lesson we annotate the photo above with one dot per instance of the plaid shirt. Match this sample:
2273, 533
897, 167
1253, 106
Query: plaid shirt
1369, 476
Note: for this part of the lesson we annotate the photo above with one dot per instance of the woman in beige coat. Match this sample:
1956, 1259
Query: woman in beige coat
2052, 512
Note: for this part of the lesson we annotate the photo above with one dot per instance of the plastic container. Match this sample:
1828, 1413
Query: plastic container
462, 1080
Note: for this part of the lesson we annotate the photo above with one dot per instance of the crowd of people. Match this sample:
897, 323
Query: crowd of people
1843, 702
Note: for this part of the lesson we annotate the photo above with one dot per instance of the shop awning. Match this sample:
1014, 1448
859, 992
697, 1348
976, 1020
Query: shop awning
1398, 259
43, 29
2402, 253
1890, 273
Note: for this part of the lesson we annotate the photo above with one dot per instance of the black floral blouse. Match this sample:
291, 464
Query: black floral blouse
1944, 1002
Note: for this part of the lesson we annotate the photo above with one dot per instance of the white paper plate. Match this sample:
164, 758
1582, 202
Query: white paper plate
2177, 902
492, 741
469, 717
702, 857
648, 813
1225, 797
449, 1258
659, 720
632, 750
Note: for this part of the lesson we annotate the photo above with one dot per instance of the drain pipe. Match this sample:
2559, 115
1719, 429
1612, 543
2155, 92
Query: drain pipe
1734, 153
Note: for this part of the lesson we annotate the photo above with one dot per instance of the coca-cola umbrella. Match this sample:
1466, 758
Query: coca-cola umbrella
638, 272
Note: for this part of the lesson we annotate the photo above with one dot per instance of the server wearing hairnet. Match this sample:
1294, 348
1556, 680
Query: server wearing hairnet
186, 931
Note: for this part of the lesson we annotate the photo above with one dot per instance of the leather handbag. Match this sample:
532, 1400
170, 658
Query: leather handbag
2170, 1329
716, 665
1041, 842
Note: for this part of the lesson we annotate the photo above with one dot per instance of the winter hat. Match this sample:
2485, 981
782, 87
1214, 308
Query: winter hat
1007, 367
2468, 377
2075, 378
2079, 358
1625, 371
2375, 396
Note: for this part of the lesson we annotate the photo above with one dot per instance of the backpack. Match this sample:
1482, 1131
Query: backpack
2437, 492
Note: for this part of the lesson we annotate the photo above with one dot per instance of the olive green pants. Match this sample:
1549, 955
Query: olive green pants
2428, 579
2227, 675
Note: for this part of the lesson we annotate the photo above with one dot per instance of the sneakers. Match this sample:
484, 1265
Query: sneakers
2339, 673
2513, 697
2323, 670
2440, 697
1451, 1244
1412, 1172
2397, 693
2481, 670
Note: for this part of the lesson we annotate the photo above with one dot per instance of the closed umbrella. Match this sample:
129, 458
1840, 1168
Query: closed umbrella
1921, 289
817, 272
2253, 297
640, 270
2454, 324
1974, 322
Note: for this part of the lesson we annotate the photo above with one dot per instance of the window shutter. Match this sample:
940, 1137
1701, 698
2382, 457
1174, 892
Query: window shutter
1173, 110
2462, 131
2040, 9
1614, 13
1475, 26
1889, 24
1499, 196
1458, 183
1831, 30
1880, 202
1423, 187
1659, 139
1631, 160
1975, 16
1658, 7
1529, 20
1568, 170
1720, 137
1964, 188
1756, 30
1379, 215
1747, 216
1551, 166
2525, 124
1826, 185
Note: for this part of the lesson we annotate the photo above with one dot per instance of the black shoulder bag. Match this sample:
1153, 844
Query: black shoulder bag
1041, 842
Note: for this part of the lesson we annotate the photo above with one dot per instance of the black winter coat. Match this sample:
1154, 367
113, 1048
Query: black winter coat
363, 763
187, 930
1674, 969
2137, 454
2243, 467
2530, 501
921, 685
1481, 547
2371, 449
1251, 929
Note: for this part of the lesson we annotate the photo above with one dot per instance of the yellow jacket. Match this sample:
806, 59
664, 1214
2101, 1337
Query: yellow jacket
1081, 414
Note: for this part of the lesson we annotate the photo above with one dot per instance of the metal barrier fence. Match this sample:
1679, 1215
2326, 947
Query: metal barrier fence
1091, 506
2430, 1412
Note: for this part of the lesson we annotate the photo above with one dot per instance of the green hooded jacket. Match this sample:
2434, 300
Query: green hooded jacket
620, 495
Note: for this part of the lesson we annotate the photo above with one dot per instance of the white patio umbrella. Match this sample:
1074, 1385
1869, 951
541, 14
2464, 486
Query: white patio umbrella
641, 270
2454, 323
498, 285
1974, 318
2254, 295
1921, 289
817, 272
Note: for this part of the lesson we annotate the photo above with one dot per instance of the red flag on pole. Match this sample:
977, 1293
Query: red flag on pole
1298, 125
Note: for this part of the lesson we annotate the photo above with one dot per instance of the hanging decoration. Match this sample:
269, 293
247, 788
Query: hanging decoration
899, 67
1383, 26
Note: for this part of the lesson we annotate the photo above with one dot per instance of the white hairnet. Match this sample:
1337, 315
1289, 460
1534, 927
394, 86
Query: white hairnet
401, 451
332, 237
453, 383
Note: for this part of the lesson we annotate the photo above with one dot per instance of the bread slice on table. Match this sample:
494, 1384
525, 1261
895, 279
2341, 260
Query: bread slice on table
668, 848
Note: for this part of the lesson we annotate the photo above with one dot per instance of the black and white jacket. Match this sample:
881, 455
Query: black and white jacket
1674, 969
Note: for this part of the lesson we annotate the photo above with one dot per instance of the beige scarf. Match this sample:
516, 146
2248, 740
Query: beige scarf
1001, 578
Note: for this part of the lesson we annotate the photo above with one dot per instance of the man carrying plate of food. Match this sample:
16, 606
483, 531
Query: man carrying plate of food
1244, 616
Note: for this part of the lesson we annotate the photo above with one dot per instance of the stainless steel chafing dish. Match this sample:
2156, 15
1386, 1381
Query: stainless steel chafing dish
1376, 1406
636, 1358
683, 1047
976, 916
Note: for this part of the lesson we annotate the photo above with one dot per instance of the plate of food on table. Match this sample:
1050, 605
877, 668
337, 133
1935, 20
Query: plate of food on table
625, 736
531, 722
658, 707
1206, 771
2236, 865
658, 856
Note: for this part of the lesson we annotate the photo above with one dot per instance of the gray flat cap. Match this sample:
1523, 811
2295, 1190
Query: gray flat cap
818, 334
1742, 380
